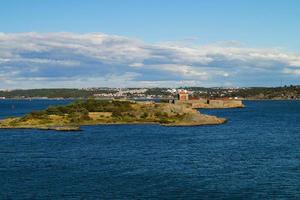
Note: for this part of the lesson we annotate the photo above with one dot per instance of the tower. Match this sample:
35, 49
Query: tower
183, 95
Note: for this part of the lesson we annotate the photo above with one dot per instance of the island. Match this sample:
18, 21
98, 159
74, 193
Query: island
99, 112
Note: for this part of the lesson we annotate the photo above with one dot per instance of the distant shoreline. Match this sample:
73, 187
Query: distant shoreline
291, 92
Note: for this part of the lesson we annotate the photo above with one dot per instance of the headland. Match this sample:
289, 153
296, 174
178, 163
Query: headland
98, 112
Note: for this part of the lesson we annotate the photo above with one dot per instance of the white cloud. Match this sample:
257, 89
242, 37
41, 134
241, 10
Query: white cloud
96, 59
291, 71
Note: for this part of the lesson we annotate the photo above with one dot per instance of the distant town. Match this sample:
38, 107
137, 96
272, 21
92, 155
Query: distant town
285, 92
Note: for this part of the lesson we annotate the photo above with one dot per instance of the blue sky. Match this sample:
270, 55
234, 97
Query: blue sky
241, 43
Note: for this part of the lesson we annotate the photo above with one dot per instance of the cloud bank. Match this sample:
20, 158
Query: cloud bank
44, 60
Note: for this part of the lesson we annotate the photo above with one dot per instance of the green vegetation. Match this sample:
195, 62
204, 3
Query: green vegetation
79, 110
53, 93
91, 112
286, 92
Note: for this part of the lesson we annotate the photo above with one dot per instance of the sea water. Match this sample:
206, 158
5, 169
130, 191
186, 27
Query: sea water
255, 155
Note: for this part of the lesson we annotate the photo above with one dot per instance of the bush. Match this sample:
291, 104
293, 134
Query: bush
54, 110
161, 114
74, 117
144, 115
13, 123
117, 114
164, 121
35, 115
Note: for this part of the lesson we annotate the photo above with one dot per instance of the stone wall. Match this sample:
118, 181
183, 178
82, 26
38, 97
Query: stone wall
204, 103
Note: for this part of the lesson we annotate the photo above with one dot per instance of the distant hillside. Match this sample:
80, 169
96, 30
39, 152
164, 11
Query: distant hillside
286, 92
50, 93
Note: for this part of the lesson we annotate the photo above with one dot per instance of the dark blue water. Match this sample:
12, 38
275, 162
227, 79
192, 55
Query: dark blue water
256, 155
10, 108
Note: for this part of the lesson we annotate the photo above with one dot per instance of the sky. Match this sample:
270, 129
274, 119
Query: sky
139, 43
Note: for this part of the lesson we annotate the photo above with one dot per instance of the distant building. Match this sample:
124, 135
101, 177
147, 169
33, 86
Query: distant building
183, 95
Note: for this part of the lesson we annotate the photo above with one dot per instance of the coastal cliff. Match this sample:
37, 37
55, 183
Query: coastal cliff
94, 112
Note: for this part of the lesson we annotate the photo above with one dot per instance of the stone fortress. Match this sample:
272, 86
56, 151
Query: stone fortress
184, 97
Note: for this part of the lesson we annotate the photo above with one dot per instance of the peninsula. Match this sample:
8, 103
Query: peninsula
96, 112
